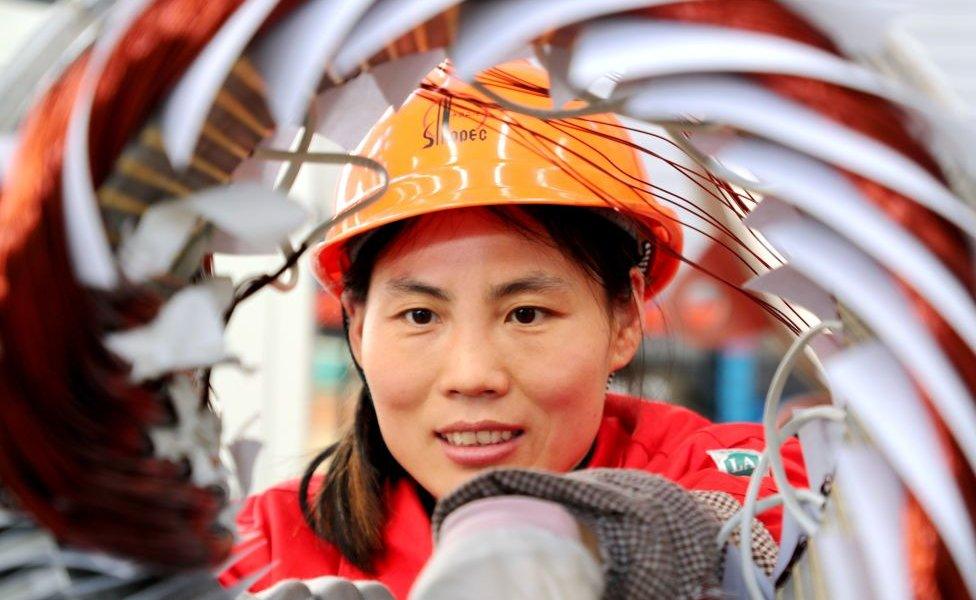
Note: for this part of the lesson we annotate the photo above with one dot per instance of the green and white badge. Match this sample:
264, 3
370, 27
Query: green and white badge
735, 461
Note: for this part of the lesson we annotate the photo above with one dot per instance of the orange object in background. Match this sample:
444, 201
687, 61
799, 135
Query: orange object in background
328, 311
705, 313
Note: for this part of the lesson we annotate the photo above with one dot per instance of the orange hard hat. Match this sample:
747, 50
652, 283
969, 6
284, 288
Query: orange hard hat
449, 146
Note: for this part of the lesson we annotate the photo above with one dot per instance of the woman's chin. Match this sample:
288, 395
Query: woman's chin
458, 477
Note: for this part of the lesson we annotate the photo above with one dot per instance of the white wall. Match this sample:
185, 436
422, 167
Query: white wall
273, 333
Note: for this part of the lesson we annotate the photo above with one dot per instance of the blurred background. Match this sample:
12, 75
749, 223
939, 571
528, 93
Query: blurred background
707, 346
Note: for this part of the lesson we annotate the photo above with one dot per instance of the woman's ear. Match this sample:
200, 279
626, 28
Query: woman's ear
353, 310
628, 326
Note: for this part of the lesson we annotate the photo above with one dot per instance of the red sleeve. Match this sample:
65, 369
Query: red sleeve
273, 532
253, 549
718, 457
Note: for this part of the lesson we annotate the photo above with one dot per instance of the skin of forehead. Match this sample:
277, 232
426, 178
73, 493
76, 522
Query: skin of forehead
445, 226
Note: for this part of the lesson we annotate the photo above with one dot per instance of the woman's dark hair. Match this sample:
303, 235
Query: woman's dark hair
349, 511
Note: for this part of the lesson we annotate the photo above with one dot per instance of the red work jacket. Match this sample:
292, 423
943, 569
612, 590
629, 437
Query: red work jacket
658, 438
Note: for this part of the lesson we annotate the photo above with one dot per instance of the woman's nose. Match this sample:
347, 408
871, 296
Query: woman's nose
474, 368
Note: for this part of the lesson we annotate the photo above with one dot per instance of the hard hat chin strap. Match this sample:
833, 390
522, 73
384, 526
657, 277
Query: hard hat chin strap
647, 249
645, 246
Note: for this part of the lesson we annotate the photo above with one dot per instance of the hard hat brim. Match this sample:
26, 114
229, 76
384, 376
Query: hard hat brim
331, 259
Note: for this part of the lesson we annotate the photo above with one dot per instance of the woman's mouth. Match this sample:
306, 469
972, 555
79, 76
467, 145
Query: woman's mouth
477, 438
479, 444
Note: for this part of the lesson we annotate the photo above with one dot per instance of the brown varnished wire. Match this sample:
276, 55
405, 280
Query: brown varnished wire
74, 449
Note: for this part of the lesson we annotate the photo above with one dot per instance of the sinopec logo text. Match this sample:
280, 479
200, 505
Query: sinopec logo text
437, 125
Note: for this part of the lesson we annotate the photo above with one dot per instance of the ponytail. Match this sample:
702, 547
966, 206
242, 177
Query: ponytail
350, 509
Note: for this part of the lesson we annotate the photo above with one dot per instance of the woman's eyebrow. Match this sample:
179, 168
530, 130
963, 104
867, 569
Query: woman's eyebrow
531, 283
405, 285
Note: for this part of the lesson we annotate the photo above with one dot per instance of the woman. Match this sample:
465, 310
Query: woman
490, 294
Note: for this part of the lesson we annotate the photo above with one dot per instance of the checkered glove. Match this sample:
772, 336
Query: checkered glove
655, 538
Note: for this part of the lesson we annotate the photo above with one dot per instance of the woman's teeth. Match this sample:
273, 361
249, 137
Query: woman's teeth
477, 438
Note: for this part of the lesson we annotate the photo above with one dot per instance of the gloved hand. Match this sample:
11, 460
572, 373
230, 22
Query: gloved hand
322, 588
512, 547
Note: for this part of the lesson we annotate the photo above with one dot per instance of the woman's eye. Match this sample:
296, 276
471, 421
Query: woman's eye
526, 315
419, 316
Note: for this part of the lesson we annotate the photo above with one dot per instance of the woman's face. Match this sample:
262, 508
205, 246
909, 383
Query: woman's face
485, 348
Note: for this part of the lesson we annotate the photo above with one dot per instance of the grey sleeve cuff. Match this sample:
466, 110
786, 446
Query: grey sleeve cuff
657, 540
